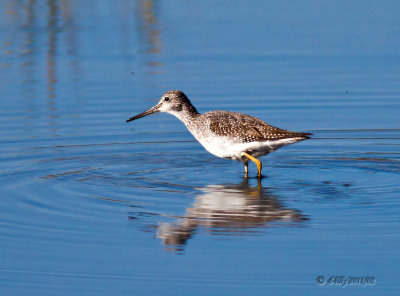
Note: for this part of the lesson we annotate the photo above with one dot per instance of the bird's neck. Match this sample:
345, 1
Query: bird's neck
186, 115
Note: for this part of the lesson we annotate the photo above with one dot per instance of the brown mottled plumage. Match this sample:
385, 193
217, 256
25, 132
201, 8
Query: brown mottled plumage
246, 127
226, 134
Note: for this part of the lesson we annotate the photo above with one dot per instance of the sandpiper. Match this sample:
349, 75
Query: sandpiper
226, 134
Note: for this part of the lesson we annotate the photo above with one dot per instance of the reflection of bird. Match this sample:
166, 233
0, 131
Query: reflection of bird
233, 209
226, 134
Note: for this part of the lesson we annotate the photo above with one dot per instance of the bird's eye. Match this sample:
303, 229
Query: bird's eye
166, 99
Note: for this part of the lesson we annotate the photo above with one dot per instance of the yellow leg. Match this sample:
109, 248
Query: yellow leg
257, 162
246, 168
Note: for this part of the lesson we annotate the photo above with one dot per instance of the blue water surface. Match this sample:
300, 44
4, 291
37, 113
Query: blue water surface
92, 205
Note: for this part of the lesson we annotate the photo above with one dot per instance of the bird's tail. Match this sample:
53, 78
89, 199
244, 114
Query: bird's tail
304, 136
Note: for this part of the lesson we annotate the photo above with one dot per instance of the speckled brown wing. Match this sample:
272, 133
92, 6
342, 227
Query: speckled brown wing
246, 127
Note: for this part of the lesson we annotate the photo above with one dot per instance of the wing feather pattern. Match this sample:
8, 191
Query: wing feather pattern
246, 127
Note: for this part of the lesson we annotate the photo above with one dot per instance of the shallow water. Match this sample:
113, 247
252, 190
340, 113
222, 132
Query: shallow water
93, 205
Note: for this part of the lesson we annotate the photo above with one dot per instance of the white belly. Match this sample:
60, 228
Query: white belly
230, 148
226, 147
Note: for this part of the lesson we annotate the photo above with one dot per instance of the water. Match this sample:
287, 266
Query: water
92, 205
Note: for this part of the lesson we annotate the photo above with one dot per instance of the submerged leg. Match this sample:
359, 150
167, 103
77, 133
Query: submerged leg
246, 168
257, 162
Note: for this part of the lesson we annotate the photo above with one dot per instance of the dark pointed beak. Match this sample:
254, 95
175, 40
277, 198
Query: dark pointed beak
145, 113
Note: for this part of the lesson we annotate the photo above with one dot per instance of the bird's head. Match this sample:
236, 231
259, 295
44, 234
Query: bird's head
173, 102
